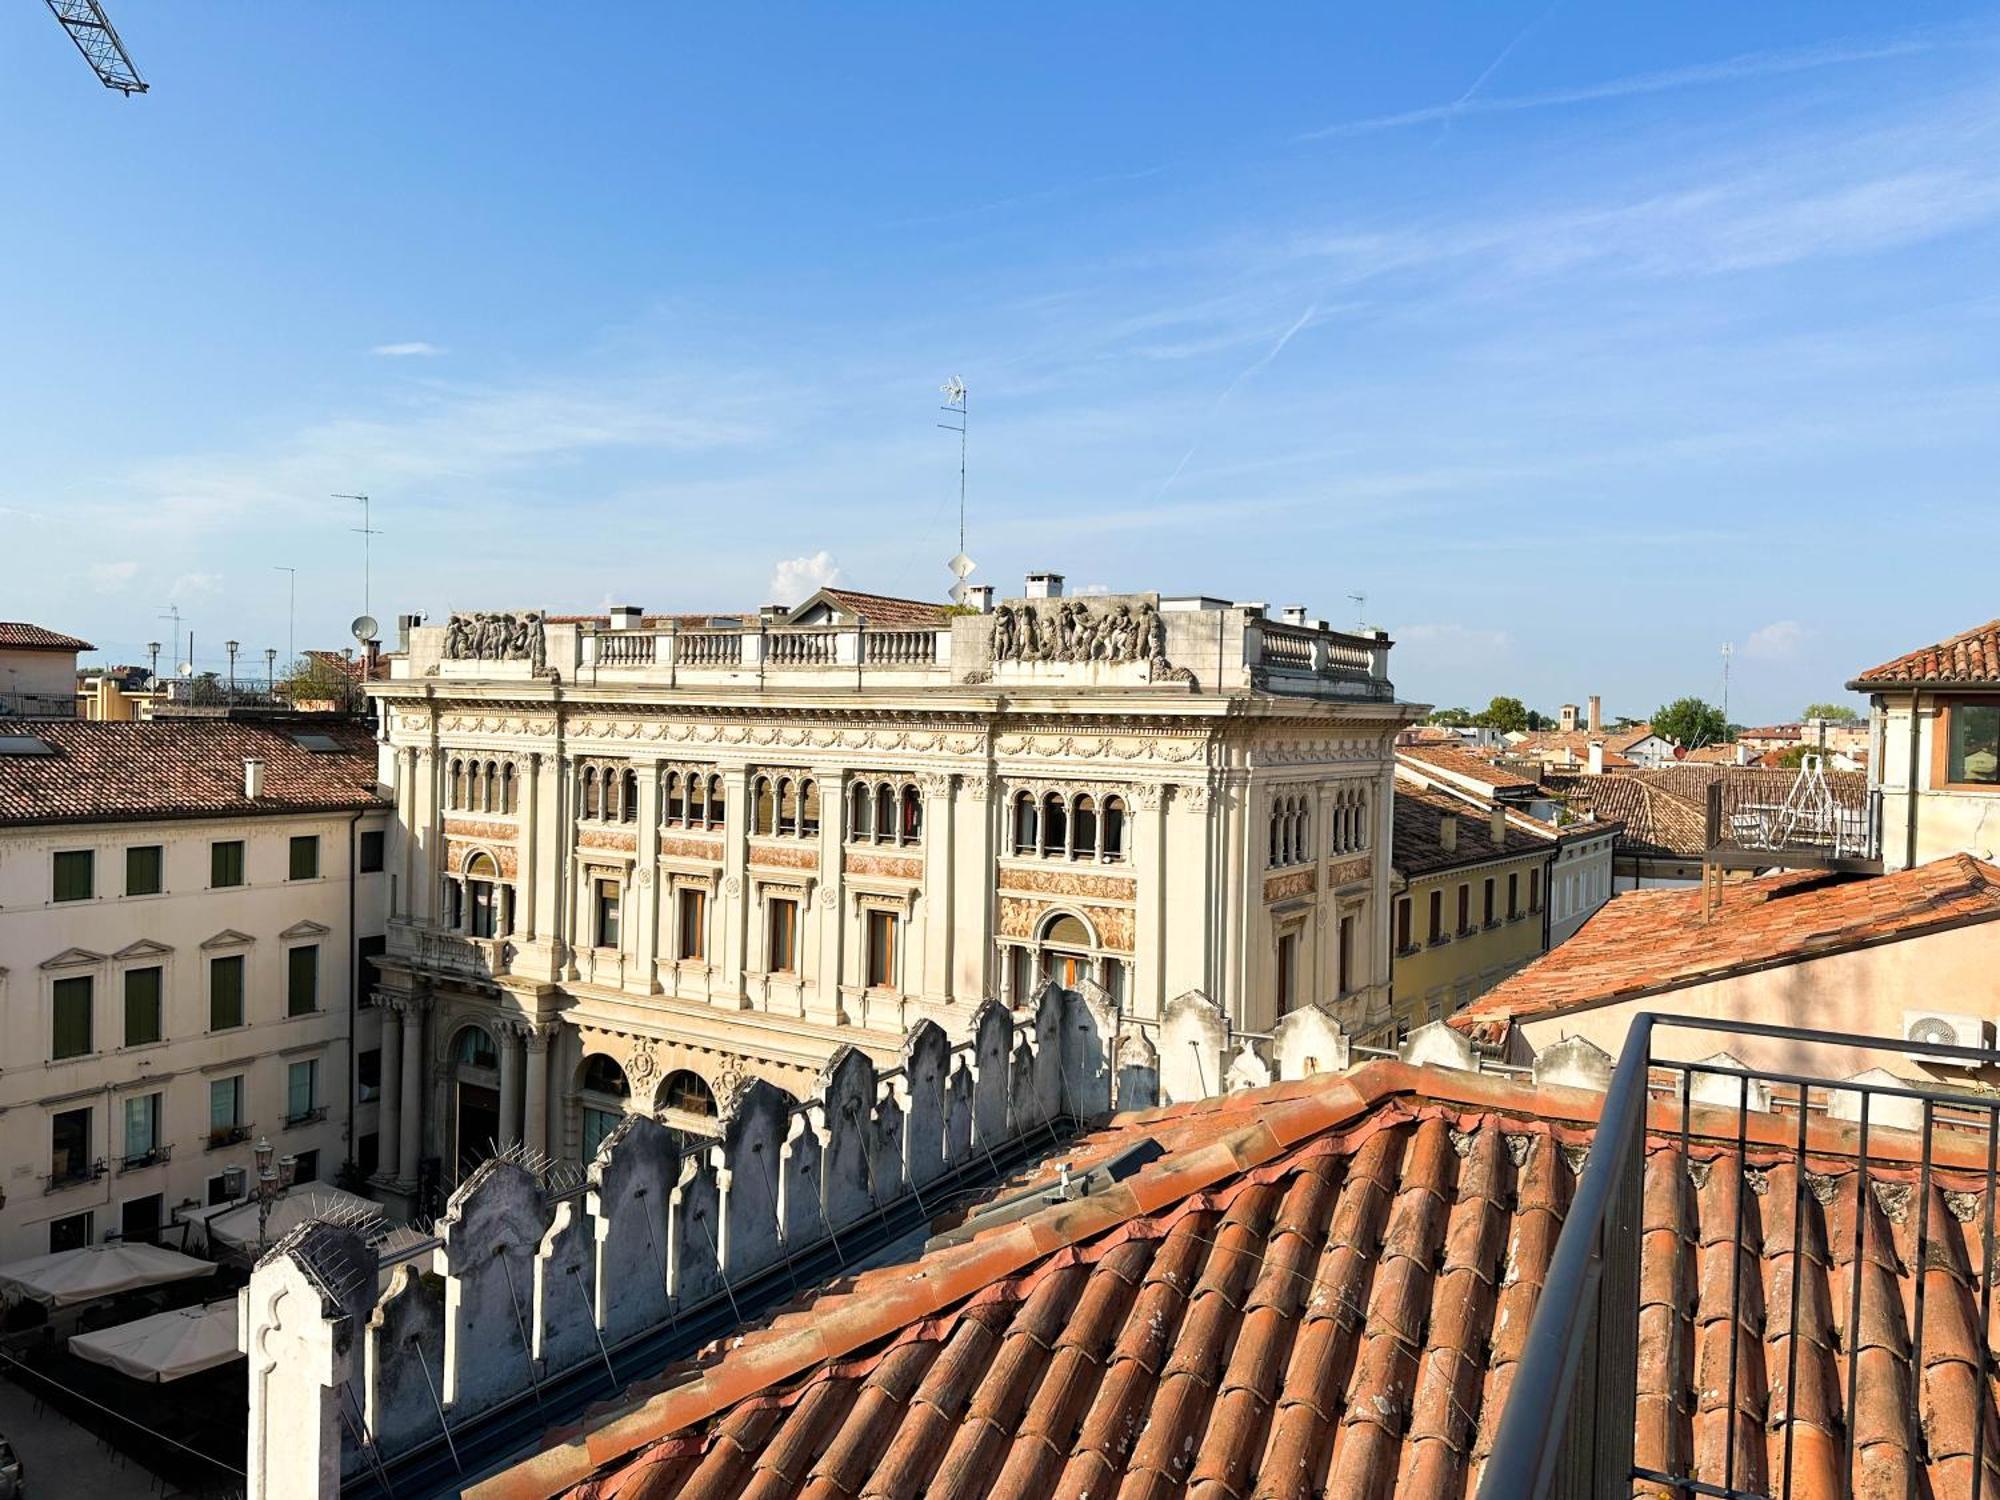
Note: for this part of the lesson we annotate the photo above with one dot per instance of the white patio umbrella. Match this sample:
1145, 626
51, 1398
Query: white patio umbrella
165, 1346
237, 1229
95, 1271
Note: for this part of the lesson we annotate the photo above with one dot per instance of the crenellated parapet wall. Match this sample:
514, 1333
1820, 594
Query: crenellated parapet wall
526, 1286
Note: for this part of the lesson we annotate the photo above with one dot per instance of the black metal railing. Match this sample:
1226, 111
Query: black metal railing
1825, 1184
1814, 820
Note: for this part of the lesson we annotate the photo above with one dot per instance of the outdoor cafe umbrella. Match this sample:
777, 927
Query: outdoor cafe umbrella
237, 1229
165, 1346
92, 1272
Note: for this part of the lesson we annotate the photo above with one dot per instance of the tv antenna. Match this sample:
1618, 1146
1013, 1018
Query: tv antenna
366, 531
291, 611
958, 405
1728, 650
1360, 611
173, 612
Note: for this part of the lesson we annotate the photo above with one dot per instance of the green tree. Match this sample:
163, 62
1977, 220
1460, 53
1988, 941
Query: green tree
1692, 722
1506, 715
1833, 713
1451, 718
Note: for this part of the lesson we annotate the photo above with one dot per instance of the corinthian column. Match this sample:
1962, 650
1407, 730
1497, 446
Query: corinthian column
535, 1121
389, 1131
413, 1089
510, 1084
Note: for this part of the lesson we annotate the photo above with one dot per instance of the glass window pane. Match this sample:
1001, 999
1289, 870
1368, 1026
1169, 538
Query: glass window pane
305, 857
142, 1006
1975, 743
224, 1097
72, 1017
225, 862
75, 878
225, 992
370, 852
302, 980
301, 1089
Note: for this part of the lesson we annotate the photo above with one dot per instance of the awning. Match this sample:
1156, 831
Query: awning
237, 1228
95, 1271
166, 1346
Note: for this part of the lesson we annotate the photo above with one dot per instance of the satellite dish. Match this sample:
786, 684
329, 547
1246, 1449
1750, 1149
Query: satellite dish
187, 669
364, 628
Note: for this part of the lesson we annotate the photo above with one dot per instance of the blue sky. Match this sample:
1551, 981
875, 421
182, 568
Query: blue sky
1580, 339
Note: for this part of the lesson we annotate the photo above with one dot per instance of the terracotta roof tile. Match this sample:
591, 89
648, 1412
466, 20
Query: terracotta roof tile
1646, 942
1467, 764
1418, 822
18, 635
887, 609
1968, 657
183, 768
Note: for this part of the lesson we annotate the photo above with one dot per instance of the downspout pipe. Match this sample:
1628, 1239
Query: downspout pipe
1910, 818
353, 969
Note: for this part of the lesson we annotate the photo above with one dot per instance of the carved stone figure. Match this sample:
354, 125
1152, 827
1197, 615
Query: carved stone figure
487, 636
1075, 630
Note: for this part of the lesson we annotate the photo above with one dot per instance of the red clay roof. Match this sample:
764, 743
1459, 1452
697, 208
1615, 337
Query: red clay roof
1970, 656
183, 768
1647, 942
1467, 764
886, 609
1324, 1288
18, 635
1420, 812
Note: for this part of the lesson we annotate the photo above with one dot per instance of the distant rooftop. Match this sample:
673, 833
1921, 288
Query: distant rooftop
18, 635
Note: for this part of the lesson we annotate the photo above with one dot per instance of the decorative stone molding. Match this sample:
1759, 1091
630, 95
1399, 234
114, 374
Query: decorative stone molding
784, 857
884, 866
609, 840
1148, 796
480, 832
1076, 630
935, 783
1070, 883
680, 847
1291, 886
1192, 794
1348, 872
490, 636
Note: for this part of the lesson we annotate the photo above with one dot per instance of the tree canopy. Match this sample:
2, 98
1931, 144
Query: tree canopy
1833, 713
1503, 715
1691, 722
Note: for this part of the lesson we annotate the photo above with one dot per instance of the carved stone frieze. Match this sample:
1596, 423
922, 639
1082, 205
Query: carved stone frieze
1291, 885
884, 866
612, 840
485, 833
675, 847
784, 857
1348, 871
1021, 917
491, 636
458, 851
1077, 630
1071, 883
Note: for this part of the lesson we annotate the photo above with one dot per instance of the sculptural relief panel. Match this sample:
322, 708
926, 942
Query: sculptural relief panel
884, 866
1069, 883
783, 857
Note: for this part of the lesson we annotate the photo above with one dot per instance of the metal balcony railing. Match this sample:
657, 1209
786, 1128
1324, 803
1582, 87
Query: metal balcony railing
151, 1157
1736, 1306
73, 1175
1816, 822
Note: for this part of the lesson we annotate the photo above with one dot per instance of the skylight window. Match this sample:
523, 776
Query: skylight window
318, 744
25, 744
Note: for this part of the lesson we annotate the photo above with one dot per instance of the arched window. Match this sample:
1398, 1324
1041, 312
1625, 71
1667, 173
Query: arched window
508, 791
765, 806
687, 1093
1083, 827
458, 783
885, 813
715, 801
473, 1048
1114, 828
788, 806
1055, 826
601, 1075
696, 792
602, 1084
631, 796
590, 804
913, 815
674, 807
1024, 823
809, 809
861, 811
1066, 931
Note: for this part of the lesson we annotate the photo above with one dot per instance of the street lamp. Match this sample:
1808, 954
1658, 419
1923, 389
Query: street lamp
232, 647
271, 670
153, 651
271, 1184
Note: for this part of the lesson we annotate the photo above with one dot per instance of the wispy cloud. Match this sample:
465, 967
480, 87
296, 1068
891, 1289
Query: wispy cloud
195, 586
413, 349
1262, 362
1778, 641
110, 577
1737, 69
796, 579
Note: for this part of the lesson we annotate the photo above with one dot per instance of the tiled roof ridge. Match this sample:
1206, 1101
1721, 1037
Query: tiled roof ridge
25, 635
1925, 660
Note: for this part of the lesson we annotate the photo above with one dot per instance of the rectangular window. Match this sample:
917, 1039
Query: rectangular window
225, 863
784, 936
369, 851
145, 870
305, 1167
368, 1075
368, 1154
607, 914
1464, 910
139, 1219
218, 1190
301, 1090
693, 919
1513, 896
75, 874
72, 1232
1403, 944
1487, 918
225, 992
368, 952
69, 1144
1288, 972
142, 1128
1437, 917
302, 980
225, 1106
881, 949
1534, 890
1974, 745
305, 857
1344, 954
142, 1006
72, 1032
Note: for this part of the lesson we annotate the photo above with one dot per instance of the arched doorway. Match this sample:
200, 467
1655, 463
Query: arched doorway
603, 1094
1068, 951
685, 1104
475, 1100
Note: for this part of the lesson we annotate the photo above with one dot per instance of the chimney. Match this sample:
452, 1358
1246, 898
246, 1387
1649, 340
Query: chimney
979, 596
1448, 833
625, 616
1293, 614
1045, 585
1569, 718
1597, 757
253, 779
774, 614
1499, 828
1596, 724
1742, 754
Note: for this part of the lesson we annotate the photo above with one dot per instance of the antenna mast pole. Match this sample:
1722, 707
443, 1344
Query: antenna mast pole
1728, 650
958, 403
291, 612
366, 532
173, 612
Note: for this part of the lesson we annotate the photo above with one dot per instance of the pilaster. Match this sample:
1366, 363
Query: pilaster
938, 904
735, 894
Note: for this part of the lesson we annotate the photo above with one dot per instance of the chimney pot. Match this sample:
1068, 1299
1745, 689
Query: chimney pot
1499, 826
1448, 833
625, 616
1597, 757
1045, 585
1293, 614
979, 596
253, 779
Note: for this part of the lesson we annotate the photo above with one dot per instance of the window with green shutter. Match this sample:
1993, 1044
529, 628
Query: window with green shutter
225, 862
142, 1006
75, 875
302, 980
143, 870
72, 1017
225, 992
301, 1091
305, 857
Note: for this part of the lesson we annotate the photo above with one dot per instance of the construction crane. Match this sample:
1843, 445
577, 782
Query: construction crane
97, 40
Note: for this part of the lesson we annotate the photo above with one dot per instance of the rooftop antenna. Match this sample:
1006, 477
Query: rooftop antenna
958, 405
366, 531
291, 611
1360, 611
1728, 650
95, 37
173, 612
